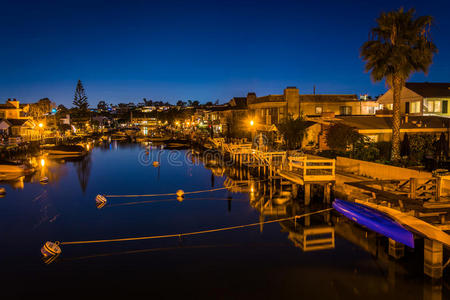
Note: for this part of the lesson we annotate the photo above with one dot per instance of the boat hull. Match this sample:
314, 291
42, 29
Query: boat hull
374, 220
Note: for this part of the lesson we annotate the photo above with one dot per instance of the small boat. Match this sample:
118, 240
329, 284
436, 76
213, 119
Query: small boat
15, 168
374, 220
66, 151
50, 249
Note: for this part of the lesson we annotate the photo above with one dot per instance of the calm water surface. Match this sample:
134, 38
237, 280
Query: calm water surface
262, 262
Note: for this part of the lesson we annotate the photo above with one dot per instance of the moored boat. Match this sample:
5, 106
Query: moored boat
15, 168
66, 151
374, 220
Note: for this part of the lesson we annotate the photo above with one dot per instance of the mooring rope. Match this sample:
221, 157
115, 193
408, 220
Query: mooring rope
179, 235
185, 193
173, 200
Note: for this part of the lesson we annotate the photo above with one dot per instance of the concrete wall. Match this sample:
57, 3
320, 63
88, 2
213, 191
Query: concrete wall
377, 171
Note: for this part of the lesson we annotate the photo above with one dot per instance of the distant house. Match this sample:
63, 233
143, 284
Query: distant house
12, 109
421, 98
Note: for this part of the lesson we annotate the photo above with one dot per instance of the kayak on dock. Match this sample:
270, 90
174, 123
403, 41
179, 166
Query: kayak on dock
374, 220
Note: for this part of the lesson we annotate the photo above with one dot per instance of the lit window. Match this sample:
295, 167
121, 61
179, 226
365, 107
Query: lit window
318, 110
415, 107
431, 106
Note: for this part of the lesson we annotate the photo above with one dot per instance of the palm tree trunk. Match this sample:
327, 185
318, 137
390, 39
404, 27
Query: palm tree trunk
397, 89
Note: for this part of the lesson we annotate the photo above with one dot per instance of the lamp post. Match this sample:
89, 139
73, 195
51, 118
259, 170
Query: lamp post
41, 126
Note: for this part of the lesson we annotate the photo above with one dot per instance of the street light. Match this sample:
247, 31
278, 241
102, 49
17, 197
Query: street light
41, 125
252, 123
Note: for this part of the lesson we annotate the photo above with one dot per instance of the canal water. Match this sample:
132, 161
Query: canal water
267, 261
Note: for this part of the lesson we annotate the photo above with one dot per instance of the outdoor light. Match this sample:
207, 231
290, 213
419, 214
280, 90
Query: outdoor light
41, 125
42, 162
252, 123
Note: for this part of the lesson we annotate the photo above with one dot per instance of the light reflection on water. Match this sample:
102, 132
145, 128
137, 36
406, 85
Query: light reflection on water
315, 257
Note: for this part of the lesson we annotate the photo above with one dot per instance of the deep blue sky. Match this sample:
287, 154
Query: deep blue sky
169, 50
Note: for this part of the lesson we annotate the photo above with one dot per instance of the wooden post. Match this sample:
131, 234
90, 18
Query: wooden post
326, 192
432, 258
413, 188
396, 249
307, 188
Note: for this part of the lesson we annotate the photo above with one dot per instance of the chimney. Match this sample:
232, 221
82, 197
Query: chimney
251, 98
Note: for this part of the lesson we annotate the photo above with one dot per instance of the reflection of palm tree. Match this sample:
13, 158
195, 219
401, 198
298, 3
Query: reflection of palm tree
83, 171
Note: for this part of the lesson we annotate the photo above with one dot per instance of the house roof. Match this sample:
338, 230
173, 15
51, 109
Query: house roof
7, 105
15, 122
240, 102
374, 122
328, 98
429, 89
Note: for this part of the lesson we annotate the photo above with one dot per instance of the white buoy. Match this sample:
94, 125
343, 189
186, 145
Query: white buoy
156, 164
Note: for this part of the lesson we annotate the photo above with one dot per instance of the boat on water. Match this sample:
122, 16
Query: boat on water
8, 168
374, 220
177, 144
60, 151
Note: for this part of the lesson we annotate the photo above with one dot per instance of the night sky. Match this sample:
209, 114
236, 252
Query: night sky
169, 50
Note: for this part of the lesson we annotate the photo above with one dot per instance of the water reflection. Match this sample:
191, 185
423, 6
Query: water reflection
83, 167
303, 253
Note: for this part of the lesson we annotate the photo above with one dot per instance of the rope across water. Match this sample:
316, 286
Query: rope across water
174, 194
179, 235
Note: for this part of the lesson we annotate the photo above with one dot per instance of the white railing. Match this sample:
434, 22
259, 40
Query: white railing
313, 169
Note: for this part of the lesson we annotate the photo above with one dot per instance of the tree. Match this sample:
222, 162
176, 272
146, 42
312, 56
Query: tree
293, 131
399, 46
42, 107
102, 105
339, 136
62, 110
80, 98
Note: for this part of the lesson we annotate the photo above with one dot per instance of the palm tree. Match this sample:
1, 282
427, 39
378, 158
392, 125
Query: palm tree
398, 47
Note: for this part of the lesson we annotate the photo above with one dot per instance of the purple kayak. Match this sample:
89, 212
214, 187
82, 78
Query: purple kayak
374, 220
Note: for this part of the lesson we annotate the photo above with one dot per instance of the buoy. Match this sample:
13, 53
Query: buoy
44, 180
100, 201
180, 199
156, 164
50, 249
49, 259
180, 193
146, 152
2, 191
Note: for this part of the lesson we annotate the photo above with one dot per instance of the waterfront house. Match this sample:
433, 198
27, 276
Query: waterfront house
420, 98
271, 109
12, 109
25, 129
378, 128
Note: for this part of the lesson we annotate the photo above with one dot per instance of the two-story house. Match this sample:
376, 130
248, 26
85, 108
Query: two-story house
420, 98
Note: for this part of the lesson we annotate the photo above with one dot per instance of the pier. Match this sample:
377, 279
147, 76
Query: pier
419, 204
